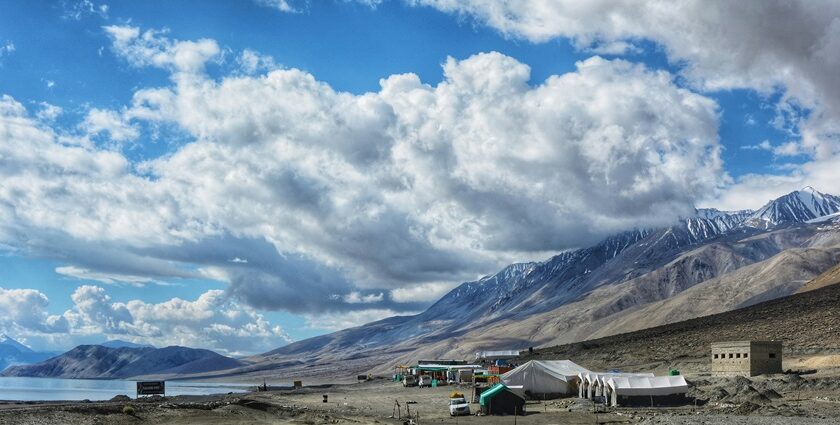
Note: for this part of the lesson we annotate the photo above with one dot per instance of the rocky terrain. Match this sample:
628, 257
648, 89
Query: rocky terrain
808, 324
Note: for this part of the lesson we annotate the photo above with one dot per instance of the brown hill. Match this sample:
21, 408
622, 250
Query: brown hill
807, 324
830, 277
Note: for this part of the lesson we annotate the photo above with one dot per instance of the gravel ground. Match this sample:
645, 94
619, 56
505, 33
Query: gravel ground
783, 399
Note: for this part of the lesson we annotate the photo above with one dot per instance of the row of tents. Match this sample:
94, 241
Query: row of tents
544, 379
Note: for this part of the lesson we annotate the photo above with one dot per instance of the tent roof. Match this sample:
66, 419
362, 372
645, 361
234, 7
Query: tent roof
490, 393
565, 370
604, 377
657, 385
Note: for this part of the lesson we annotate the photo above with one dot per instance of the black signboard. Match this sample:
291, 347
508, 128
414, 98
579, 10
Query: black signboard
151, 387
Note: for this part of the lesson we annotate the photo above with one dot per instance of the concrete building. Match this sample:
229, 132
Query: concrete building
746, 358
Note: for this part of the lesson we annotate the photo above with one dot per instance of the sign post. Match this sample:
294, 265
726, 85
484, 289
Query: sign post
151, 388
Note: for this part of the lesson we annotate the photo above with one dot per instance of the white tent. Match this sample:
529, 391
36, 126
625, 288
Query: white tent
545, 377
645, 386
599, 386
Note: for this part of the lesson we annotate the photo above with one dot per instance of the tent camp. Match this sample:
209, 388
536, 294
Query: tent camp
646, 390
500, 400
594, 384
546, 378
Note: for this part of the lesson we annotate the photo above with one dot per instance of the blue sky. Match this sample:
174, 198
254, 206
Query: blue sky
741, 131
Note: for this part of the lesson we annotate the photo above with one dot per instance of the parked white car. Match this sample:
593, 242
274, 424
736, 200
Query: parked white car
425, 381
409, 381
458, 407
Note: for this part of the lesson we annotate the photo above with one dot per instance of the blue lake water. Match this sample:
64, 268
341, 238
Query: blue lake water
95, 389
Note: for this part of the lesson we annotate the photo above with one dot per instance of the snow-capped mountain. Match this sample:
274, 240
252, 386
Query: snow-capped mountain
724, 220
8, 341
15, 353
795, 207
728, 257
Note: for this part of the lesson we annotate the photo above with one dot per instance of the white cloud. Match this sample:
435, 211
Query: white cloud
252, 62
427, 292
26, 309
108, 278
7, 48
76, 10
338, 321
118, 128
211, 321
355, 297
791, 47
413, 184
150, 48
281, 5
48, 112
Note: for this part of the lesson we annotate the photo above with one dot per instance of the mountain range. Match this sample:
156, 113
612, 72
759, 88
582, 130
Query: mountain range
100, 362
14, 353
712, 262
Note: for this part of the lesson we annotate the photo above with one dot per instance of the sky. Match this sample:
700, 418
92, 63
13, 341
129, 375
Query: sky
238, 175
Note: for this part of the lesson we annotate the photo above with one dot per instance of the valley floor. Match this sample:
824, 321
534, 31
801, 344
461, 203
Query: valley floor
779, 399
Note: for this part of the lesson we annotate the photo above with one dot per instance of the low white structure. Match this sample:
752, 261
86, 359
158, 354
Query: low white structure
497, 355
641, 389
545, 378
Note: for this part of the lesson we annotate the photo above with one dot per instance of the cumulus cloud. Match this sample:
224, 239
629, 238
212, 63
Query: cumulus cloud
326, 192
782, 46
252, 62
48, 112
150, 48
211, 321
98, 121
25, 310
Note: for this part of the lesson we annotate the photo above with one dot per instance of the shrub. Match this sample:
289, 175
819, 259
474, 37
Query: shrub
128, 410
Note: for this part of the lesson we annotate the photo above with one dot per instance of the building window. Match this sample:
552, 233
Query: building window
738, 355
730, 355
746, 355
716, 356
772, 355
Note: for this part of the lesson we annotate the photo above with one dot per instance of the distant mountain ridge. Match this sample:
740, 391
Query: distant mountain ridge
97, 362
8, 341
118, 343
740, 257
13, 352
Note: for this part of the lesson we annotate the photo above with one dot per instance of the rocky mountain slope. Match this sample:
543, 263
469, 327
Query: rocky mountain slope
713, 262
829, 277
96, 362
810, 332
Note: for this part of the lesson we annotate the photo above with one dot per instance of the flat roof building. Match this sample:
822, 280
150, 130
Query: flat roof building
746, 358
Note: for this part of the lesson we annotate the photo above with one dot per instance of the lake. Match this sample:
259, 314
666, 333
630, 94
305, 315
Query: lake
14, 388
